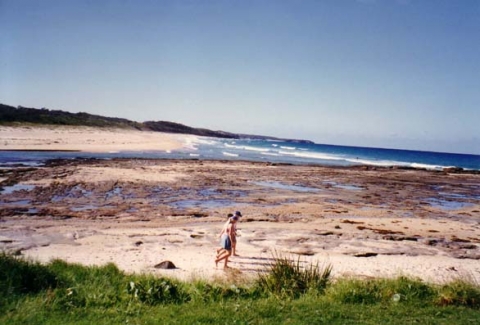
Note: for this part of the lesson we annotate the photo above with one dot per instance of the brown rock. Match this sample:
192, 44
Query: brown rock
367, 254
165, 265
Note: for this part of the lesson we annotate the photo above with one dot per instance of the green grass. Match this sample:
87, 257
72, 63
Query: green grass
285, 293
285, 277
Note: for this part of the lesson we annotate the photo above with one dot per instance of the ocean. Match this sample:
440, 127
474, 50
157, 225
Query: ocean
274, 151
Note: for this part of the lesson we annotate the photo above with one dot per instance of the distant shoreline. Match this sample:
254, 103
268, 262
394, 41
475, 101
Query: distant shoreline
115, 142
87, 139
41, 150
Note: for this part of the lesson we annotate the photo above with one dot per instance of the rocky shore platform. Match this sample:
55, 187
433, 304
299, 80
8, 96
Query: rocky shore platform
137, 213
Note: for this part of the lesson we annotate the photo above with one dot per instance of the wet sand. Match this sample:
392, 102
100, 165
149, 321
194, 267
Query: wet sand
365, 222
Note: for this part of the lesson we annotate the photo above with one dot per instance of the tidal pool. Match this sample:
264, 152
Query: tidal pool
282, 186
448, 205
344, 186
17, 187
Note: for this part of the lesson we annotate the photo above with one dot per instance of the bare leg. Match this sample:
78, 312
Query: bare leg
221, 254
223, 257
226, 259
234, 249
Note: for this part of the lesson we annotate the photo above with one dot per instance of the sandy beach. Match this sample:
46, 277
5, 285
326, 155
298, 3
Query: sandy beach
88, 139
137, 213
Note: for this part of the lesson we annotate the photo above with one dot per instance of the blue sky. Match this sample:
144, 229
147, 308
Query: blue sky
383, 73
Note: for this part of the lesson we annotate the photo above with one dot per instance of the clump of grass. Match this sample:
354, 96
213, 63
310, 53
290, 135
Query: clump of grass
87, 286
20, 276
152, 291
405, 289
371, 291
286, 277
354, 291
459, 292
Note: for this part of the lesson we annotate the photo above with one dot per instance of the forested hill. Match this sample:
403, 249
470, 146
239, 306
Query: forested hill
10, 115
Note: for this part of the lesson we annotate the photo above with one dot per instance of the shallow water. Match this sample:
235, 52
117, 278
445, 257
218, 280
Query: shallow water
16, 203
204, 204
344, 186
17, 187
282, 186
117, 191
89, 207
447, 204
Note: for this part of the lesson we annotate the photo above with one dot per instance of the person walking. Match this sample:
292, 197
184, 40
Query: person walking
226, 240
238, 215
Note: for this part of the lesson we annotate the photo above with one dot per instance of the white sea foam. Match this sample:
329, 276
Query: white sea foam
427, 166
207, 141
380, 163
192, 142
270, 154
194, 155
256, 149
388, 163
288, 148
229, 154
250, 148
312, 155
228, 145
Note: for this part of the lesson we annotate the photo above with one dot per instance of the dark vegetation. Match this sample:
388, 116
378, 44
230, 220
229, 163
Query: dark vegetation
10, 115
285, 293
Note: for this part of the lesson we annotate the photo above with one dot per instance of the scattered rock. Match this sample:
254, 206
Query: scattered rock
166, 265
367, 254
138, 243
429, 241
399, 238
453, 170
199, 215
468, 246
381, 231
303, 251
455, 239
460, 255
323, 233
5, 240
352, 222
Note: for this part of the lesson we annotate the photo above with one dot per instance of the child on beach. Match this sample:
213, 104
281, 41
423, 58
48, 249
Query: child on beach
237, 214
226, 242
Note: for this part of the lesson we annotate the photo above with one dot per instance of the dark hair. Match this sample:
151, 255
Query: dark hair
229, 215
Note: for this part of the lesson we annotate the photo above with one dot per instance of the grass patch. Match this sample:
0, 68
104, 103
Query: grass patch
373, 291
286, 277
287, 292
459, 292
